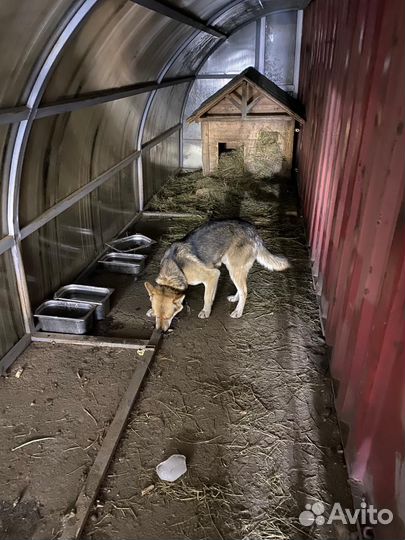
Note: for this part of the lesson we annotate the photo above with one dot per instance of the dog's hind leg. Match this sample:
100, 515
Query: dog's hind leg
239, 277
233, 297
210, 284
239, 263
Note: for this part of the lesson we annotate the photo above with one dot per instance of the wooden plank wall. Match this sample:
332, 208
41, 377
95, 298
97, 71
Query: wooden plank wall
351, 173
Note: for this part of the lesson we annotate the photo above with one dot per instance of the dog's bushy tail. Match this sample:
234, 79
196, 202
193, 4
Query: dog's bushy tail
270, 261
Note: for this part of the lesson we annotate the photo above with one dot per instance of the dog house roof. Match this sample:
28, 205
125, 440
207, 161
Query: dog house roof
264, 85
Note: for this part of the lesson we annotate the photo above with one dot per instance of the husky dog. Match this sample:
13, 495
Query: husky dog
196, 258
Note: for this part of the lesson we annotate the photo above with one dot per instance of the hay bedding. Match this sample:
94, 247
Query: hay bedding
231, 192
247, 401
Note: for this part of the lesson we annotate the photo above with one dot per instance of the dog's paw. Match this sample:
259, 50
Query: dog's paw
150, 313
233, 298
237, 313
204, 314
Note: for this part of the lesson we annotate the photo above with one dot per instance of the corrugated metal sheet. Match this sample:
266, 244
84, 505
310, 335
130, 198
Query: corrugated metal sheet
351, 169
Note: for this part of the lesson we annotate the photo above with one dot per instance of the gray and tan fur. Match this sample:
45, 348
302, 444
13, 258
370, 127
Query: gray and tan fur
196, 259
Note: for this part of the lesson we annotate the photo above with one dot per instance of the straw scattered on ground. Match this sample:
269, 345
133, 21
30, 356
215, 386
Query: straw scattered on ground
247, 401
231, 191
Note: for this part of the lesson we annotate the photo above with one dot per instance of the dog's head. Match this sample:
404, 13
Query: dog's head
166, 303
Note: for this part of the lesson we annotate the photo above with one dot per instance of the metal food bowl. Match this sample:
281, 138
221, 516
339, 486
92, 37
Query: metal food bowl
66, 317
135, 243
98, 296
125, 263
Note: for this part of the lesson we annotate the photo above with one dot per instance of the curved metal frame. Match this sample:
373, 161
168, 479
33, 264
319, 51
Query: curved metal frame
15, 157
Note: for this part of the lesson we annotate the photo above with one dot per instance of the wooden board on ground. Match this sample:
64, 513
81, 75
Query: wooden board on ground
76, 520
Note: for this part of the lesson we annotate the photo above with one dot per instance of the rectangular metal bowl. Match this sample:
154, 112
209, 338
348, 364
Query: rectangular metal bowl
135, 243
66, 317
99, 296
125, 263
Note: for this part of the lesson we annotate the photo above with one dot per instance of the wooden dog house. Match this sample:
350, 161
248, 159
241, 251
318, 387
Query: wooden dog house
250, 113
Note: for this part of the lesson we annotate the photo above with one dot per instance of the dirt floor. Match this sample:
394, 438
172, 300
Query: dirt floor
247, 401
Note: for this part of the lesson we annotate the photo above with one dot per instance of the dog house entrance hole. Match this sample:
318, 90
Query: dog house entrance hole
227, 147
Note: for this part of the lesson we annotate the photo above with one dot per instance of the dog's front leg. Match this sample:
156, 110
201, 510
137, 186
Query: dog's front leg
210, 285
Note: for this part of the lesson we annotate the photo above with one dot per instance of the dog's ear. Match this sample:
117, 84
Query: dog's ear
178, 301
150, 288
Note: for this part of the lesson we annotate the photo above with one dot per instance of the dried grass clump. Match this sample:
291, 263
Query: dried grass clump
267, 159
231, 166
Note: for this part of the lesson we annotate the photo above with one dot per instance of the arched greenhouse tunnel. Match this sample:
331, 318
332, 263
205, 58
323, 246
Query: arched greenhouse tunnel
286, 416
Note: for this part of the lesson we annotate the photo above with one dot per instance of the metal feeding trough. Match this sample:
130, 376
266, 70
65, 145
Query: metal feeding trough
65, 316
125, 263
98, 296
135, 243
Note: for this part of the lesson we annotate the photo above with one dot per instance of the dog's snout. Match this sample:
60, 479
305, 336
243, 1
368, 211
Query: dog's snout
165, 326
162, 324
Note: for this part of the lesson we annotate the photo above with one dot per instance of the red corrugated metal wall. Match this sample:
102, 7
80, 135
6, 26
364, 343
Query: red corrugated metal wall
351, 174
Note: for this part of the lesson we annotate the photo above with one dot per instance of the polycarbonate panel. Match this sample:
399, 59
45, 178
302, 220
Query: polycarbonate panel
68, 151
202, 89
159, 163
117, 202
120, 43
248, 10
165, 110
11, 323
239, 14
192, 154
279, 50
235, 54
26, 29
55, 254
189, 61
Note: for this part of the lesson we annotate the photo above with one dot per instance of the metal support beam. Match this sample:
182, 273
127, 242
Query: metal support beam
261, 43
79, 194
22, 288
147, 146
181, 158
139, 178
297, 60
91, 99
6, 243
180, 15
13, 114
159, 138
257, 44
76, 196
